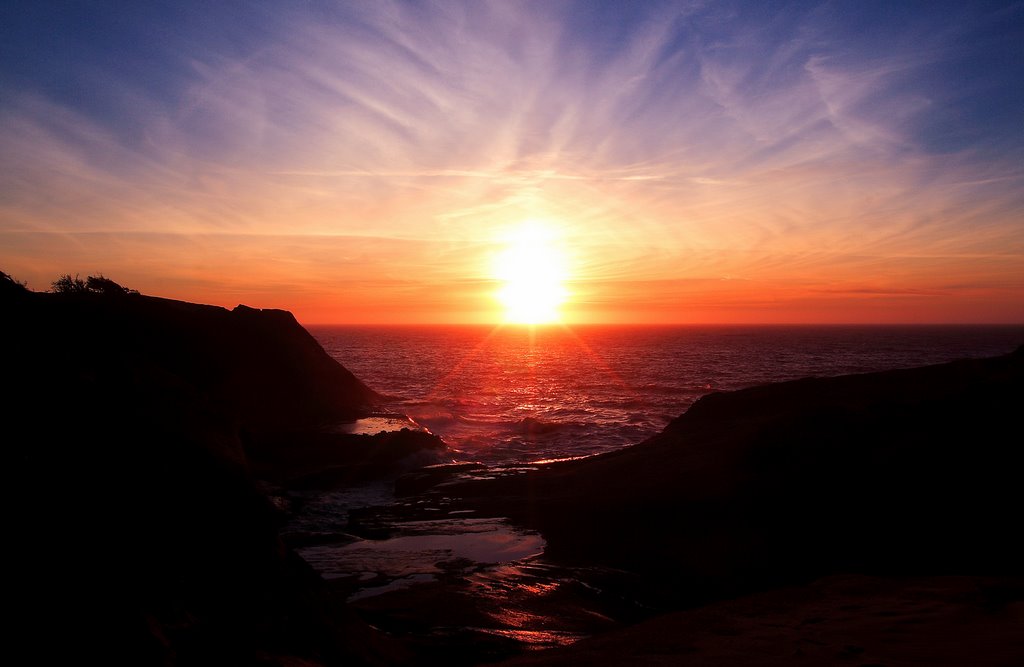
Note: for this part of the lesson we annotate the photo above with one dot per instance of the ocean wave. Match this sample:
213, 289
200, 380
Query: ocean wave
512, 401
497, 425
535, 426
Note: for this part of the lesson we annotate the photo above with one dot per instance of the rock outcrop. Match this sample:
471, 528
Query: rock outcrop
137, 533
838, 620
903, 471
259, 365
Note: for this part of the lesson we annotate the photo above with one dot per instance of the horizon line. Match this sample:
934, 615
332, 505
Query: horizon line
563, 325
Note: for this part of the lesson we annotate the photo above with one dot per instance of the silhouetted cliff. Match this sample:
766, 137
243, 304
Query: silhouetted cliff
260, 364
137, 535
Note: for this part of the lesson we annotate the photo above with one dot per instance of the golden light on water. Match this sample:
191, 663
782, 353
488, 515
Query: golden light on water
532, 270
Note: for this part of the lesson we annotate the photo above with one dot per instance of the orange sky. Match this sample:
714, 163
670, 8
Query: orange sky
691, 168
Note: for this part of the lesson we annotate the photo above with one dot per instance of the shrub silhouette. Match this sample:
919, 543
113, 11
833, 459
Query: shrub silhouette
68, 285
93, 284
103, 285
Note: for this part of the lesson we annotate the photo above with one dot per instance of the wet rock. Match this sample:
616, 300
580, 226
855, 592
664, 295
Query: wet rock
429, 477
324, 459
859, 620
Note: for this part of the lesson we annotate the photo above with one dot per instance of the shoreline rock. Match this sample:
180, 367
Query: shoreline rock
860, 619
141, 535
902, 471
321, 459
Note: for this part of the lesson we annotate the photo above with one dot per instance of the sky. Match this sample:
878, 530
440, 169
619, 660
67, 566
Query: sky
369, 162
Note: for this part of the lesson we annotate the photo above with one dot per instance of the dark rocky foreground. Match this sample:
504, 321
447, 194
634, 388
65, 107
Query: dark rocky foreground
837, 620
867, 519
132, 428
907, 482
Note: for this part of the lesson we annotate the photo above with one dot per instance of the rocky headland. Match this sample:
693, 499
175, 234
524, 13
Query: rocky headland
904, 484
905, 469
137, 430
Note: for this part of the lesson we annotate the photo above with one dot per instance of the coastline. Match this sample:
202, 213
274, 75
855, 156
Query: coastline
897, 480
901, 480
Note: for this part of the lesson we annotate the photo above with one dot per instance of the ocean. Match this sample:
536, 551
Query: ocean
509, 395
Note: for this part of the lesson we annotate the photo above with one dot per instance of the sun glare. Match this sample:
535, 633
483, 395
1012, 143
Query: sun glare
532, 270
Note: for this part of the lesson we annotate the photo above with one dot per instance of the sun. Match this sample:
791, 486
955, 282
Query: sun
532, 272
